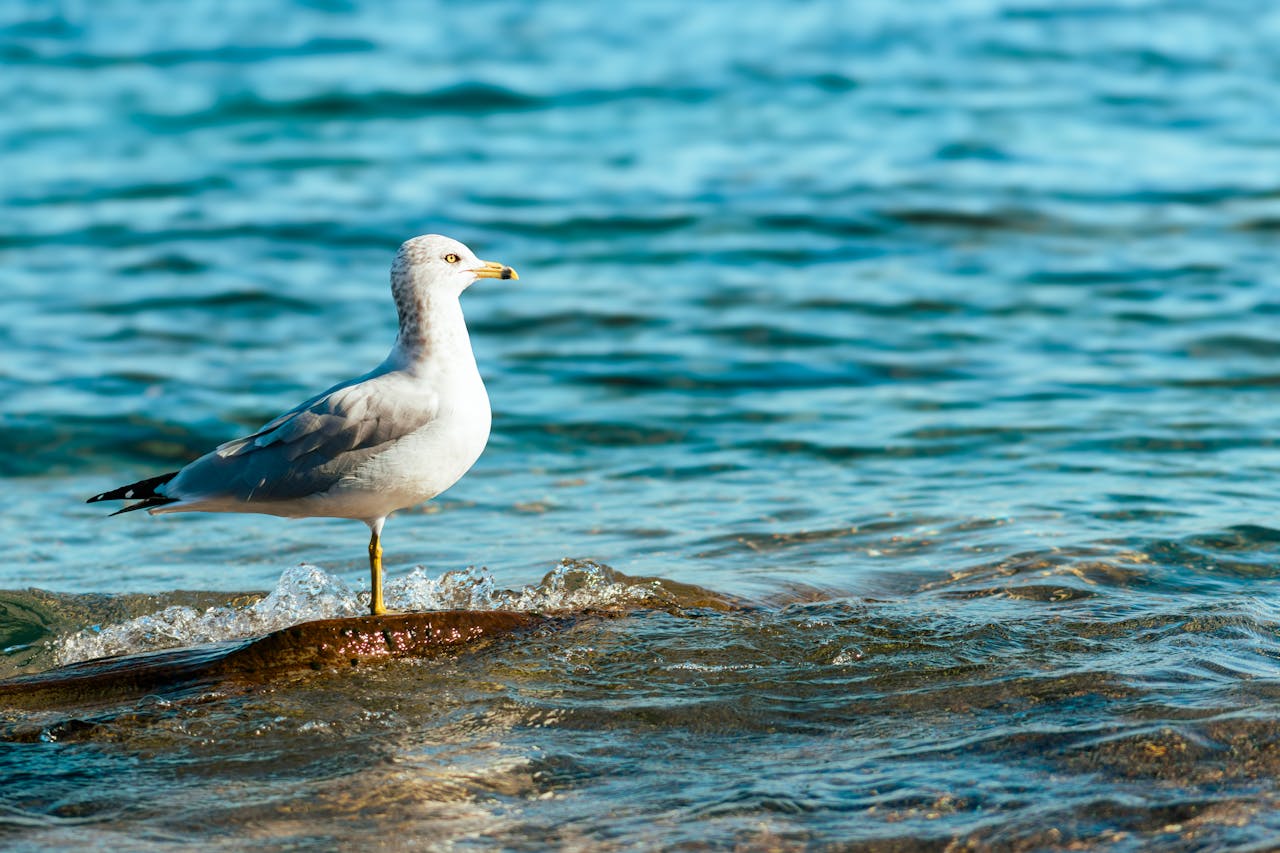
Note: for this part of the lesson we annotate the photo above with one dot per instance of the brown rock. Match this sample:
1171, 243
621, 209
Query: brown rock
323, 644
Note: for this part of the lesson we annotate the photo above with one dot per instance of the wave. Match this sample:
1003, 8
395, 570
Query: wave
77, 194
1203, 563
214, 303
328, 233
170, 58
40, 446
465, 98
307, 593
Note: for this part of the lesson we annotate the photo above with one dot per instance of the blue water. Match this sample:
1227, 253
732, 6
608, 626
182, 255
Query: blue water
945, 334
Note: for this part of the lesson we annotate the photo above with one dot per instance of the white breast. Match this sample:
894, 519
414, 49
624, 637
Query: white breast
420, 465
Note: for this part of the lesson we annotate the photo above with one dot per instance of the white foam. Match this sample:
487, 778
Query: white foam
306, 592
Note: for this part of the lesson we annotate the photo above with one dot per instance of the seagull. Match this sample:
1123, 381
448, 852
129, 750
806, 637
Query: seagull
396, 436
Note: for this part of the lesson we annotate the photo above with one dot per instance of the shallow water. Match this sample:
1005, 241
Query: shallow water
944, 338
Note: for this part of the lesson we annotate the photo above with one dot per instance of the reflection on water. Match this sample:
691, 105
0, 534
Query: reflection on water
938, 340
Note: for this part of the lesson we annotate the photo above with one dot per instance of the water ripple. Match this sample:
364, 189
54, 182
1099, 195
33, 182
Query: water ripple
946, 338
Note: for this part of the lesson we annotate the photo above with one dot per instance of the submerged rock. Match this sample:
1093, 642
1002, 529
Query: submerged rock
316, 645
306, 593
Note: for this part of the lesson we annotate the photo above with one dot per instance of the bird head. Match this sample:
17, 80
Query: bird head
434, 263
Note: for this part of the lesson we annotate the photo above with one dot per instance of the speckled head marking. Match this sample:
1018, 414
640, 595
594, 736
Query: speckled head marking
431, 268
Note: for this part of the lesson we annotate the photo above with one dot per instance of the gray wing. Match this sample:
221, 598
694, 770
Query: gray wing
308, 449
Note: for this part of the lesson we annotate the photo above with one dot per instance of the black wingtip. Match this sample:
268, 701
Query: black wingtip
143, 490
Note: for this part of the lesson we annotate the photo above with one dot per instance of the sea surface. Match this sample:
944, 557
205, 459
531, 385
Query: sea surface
941, 338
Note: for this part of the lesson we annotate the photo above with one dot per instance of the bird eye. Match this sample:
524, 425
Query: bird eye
452, 258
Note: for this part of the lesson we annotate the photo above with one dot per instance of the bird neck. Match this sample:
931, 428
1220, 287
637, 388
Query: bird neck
431, 327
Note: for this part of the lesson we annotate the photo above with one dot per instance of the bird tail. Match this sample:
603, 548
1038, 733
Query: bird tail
143, 490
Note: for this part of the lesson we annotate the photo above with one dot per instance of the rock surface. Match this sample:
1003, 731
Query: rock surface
317, 645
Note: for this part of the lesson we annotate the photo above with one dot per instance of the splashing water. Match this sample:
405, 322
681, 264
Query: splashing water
306, 592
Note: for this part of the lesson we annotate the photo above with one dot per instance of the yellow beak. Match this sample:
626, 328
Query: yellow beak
493, 269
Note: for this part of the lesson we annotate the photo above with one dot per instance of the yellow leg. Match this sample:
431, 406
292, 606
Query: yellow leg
375, 575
